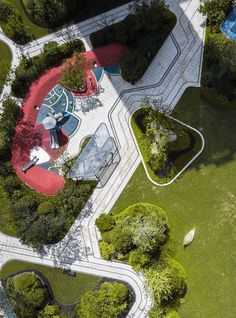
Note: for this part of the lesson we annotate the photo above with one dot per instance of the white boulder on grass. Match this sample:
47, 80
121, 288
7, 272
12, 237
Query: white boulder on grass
189, 237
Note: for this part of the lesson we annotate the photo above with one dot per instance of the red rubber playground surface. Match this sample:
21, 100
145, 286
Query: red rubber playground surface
28, 134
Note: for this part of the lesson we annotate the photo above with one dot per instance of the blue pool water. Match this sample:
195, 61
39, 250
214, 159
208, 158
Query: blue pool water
228, 27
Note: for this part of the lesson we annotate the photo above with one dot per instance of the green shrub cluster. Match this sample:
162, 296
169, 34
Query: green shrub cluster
166, 145
29, 297
144, 30
8, 121
109, 301
35, 219
138, 232
138, 236
216, 11
27, 294
73, 73
51, 13
31, 68
54, 13
12, 23
219, 71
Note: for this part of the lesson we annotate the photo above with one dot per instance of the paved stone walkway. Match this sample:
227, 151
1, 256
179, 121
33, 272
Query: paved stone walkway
176, 66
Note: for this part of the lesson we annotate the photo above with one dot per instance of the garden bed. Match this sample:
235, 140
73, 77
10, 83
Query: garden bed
180, 152
64, 291
143, 31
73, 287
81, 11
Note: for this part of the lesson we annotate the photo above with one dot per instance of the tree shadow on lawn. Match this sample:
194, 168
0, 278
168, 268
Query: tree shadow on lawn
218, 126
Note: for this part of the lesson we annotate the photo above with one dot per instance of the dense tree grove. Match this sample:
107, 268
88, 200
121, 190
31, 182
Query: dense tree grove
35, 219
12, 23
141, 227
109, 301
53, 12
138, 236
143, 31
27, 294
216, 10
219, 67
31, 68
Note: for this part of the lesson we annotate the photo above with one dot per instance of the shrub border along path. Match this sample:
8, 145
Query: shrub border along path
184, 168
176, 66
5, 63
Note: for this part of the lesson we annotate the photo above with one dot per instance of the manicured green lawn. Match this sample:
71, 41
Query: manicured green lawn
204, 198
66, 289
35, 30
5, 63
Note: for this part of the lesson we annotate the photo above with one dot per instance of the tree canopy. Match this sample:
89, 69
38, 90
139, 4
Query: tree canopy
141, 227
219, 64
13, 23
27, 294
216, 10
109, 301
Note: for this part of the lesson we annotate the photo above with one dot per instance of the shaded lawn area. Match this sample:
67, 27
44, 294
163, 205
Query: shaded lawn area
90, 11
205, 198
35, 30
67, 290
5, 63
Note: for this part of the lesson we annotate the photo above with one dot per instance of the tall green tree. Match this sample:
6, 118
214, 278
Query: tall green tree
27, 294
107, 302
216, 10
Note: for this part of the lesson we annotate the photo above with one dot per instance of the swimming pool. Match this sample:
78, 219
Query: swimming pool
228, 27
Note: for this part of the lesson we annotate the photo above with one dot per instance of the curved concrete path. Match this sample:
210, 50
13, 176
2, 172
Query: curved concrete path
176, 66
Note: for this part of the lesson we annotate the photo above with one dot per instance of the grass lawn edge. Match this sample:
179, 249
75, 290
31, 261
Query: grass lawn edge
47, 270
184, 168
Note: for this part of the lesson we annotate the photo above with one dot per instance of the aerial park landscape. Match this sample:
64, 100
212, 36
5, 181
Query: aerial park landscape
117, 158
